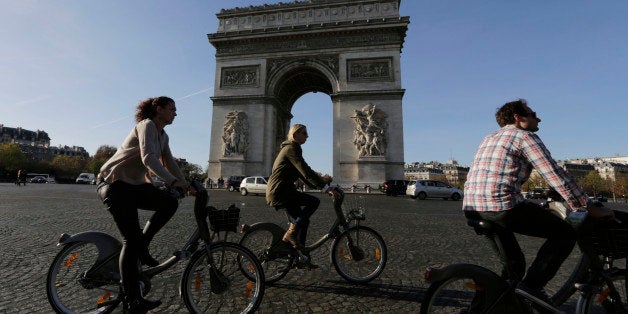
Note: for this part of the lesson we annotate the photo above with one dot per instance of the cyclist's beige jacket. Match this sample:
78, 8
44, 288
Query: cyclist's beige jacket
144, 149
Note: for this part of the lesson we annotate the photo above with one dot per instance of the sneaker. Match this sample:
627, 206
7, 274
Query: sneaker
536, 294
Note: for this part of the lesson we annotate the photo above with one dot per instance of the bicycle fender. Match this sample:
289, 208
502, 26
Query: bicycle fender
439, 274
105, 243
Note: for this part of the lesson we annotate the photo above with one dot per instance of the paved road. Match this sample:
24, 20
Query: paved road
418, 234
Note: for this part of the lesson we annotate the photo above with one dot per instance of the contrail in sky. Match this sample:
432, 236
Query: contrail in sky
126, 117
110, 122
24, 103
195, 93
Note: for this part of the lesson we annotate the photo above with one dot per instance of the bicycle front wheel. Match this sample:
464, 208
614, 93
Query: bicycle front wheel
465, 288
223, 286
600, 300
359, 254
71, 290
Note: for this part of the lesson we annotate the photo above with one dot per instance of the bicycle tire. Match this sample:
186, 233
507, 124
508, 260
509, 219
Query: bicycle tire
598, 300
466, 288
365, 264
67, 289
260, 240
227, 287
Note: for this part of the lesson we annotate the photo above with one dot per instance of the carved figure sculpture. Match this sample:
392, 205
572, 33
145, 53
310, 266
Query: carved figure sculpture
235, 133
370, 131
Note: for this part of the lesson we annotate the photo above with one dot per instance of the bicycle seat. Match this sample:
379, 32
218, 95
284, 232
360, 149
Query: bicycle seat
481, 226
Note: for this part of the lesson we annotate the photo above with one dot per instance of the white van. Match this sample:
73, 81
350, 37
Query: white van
86, 178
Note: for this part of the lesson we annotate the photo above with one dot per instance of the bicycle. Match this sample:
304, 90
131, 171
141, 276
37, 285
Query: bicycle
358, 253
220, 276
473, 288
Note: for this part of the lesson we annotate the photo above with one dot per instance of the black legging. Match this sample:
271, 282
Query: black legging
123, 200
300, 208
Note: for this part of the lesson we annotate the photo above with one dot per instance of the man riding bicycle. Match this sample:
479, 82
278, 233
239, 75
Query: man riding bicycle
501, 165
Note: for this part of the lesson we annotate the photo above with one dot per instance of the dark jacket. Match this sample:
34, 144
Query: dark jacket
288, 167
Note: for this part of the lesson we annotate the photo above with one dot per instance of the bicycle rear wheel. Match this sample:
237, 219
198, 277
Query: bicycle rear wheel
70, 290
225, 287
600, 300
359, 254
466, 288
266, 246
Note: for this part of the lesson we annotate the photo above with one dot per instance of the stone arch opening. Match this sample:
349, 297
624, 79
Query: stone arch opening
289, 84
299, 81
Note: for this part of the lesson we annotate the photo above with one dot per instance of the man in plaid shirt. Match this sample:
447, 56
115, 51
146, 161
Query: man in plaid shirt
501, 165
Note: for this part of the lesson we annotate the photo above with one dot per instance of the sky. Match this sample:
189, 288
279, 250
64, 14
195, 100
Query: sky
76, 69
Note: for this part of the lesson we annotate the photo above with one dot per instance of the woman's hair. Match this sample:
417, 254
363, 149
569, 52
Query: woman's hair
295, 129
147, 108
505, 114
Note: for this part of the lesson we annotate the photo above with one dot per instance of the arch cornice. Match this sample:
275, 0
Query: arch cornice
309, 38
369, 94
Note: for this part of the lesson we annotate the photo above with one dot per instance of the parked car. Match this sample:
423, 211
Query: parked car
39, 179
433, 189
233, 183
394, 187
86, 178
255, 185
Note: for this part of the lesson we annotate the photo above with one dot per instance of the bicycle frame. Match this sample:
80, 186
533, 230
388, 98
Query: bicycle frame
334, 231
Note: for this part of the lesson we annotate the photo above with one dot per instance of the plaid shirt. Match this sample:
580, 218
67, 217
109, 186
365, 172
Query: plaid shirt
503, 163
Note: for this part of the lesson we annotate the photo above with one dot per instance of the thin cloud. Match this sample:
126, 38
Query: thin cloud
27, 102
126, 117
110, 122
193, 94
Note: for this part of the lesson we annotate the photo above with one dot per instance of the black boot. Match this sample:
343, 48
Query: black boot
141, 305
134, 302
146, 259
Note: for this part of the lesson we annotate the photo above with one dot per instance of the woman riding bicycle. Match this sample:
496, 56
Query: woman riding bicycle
281, 192
125, 185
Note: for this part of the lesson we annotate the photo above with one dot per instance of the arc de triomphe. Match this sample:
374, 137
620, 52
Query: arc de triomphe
268, 56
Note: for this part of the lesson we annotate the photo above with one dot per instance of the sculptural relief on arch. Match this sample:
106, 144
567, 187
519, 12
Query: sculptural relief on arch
268, 56
370, 131
235, 134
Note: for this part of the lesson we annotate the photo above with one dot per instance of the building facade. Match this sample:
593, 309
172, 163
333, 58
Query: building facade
36, 144
451, 172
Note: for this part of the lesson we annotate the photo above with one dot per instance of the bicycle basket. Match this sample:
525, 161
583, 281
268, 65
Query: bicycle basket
223, 219
610, 242
356, 208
